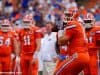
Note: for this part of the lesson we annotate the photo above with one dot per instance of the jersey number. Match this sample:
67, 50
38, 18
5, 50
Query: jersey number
6, 42
27, 40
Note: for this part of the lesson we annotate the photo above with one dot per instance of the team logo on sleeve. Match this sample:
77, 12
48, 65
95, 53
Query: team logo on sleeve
5, 42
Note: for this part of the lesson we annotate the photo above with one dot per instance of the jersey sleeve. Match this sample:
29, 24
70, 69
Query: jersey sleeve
97, 37
38, 34
69, 32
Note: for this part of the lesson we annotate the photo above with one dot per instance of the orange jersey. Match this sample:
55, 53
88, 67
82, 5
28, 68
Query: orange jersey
6, 43
76, 37
93, 37
28, 39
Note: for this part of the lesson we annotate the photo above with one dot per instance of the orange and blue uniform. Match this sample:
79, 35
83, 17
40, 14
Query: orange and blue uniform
93, 37
6, 48
28, 46
78, 54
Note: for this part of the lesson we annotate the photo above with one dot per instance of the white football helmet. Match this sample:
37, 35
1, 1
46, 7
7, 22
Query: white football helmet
68, 15
27, 21
5, 25
89, 20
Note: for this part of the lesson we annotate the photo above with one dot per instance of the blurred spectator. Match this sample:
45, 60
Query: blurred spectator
8, 9
1, 5
70, 4
49, 15
43, 10
38, 18
24, 3
8, 6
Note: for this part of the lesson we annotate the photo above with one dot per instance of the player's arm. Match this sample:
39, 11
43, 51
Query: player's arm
13, 54
17, 44
17, 47
38, 39
68, 33
38, 43
15, 50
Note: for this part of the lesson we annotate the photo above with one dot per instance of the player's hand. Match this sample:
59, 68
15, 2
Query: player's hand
12, 56
17, 60
35, 57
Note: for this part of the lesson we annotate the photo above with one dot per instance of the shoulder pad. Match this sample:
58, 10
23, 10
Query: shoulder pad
98, 31
38, 30
70, 27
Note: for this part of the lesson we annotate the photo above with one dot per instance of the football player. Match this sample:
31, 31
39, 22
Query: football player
29, 39
93, 41
7, 47
74, 38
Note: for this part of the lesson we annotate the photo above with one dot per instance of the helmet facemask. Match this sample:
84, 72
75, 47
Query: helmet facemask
27, 24
68, 17
27, 21
89, 21
5, 28
88, 24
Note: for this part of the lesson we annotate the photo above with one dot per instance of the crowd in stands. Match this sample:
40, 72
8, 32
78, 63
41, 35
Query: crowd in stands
43, 10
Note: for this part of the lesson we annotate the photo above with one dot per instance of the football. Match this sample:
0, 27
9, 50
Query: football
62, 40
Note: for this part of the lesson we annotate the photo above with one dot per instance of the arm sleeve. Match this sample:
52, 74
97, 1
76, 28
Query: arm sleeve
97, 37
38, 34
69, 33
